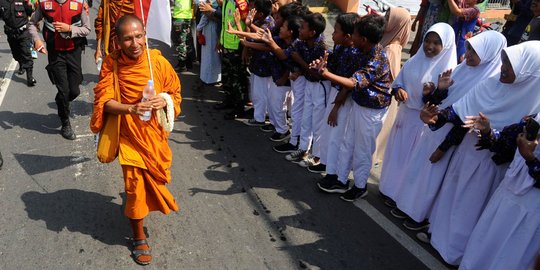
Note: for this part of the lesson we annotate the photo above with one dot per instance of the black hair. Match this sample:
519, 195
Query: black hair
480, 1
292, 9
126, 19
316, 22
371, 27
294, 23
264, 6
347, 21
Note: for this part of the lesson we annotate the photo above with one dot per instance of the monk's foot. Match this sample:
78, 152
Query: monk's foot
141, 252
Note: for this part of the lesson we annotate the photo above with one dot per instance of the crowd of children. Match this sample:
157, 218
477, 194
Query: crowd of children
442, 179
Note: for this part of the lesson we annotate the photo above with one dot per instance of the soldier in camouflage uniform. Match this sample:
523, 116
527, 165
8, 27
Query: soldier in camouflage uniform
234, 74
182, 39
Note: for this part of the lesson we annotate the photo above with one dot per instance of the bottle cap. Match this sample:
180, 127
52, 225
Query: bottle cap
150, 83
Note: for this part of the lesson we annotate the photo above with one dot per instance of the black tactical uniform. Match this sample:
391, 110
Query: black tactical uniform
15, 15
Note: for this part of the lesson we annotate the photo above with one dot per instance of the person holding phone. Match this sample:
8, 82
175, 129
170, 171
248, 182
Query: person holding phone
506, 235
472, 176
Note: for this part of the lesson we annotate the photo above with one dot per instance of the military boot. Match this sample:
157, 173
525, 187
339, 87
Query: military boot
30, 81
67, 131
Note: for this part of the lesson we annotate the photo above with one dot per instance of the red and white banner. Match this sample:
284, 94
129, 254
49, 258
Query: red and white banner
157, 17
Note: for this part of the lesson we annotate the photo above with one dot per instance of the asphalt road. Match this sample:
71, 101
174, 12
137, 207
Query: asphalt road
242, 205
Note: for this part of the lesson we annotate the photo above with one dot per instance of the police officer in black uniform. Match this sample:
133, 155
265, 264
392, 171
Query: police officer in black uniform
65, 27
15, 15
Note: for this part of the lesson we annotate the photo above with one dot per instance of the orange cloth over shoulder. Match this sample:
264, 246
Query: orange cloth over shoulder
108, 13
143, 144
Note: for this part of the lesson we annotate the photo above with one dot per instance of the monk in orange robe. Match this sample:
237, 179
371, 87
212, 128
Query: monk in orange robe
108, 13
144, 152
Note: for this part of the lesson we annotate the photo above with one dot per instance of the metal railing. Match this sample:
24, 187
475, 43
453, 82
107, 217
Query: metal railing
498, 4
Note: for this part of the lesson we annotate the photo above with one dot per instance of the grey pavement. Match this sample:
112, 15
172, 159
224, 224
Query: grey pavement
242, 205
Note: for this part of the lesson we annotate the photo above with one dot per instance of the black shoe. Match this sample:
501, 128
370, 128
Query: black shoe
331, 184
285, 148
424, 237
319, 168
222, 106
390, 203
67, 131
31, 82
353, 194
278, 137
254, 123
20, 71
415, 226
398, 213
268, 128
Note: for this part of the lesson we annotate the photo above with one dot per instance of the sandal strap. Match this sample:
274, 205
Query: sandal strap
140, 242
139, 252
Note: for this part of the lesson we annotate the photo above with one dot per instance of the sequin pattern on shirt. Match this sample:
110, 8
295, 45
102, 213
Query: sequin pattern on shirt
261, 62
344, 61
373, 80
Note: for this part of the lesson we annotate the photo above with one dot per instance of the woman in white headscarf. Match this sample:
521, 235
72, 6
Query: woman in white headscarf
423, 177
472, 175
437, 55
507, 235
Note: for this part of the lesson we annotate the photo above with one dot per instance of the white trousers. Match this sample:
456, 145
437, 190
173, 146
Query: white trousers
315, 101
298, 87
259, 96
333, 136
277, 106
358, 144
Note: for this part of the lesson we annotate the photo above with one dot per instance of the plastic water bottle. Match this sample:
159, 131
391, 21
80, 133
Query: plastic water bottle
98, 64
148, 92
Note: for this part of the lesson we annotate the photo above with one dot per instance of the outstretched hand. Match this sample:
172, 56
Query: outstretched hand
445, 80
479, 123
429, 113
266, 35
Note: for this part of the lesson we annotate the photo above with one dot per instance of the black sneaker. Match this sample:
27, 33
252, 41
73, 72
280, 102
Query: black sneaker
424, 237
20, 71
319, 168
398, 213
390, 203
254, 123
278, 137
415, 226
296, 156
353, 194
330, 184
268, 128
285, 148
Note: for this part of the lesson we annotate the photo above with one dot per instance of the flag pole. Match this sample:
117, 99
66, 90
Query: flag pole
146, 39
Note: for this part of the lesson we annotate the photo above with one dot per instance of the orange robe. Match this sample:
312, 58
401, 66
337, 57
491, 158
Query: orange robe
144, 151
108, 13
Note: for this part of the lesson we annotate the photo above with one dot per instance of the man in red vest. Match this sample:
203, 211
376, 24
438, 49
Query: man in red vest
65, 28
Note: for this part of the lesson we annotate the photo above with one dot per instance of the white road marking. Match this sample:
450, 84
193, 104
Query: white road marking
412, 246
4, 84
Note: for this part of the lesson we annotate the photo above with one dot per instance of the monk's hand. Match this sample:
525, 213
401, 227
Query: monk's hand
61, 27
157, 102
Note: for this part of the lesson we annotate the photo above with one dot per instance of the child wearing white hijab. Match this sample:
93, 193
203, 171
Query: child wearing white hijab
423, 178
472, 176
423, 67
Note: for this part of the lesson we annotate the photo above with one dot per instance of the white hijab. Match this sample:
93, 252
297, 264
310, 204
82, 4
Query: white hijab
505, 103
520, 181
488, 46
420, 69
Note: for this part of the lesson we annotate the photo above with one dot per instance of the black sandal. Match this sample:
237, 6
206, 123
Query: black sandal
136, 253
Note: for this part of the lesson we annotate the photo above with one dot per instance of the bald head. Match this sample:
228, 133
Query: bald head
126, 20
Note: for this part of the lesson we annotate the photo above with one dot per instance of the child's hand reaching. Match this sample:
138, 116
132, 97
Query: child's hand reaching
445, 80
429, 113
250, 17
266, 36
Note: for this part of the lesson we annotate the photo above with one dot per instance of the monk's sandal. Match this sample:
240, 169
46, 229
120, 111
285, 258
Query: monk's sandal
139, 252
